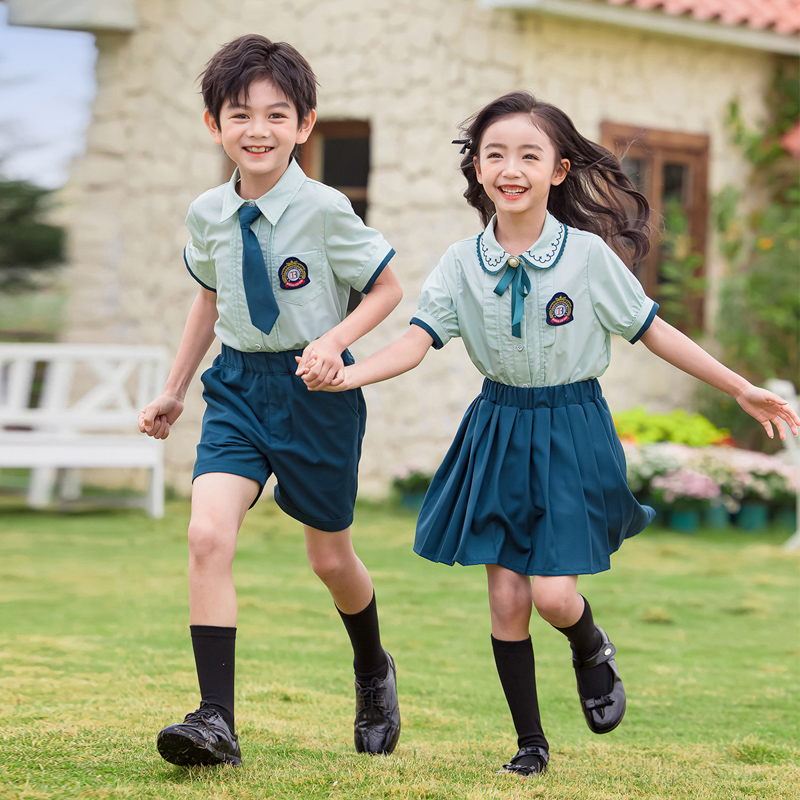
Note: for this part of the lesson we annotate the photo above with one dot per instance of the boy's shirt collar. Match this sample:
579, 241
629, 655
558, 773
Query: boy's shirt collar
542, 254
274, 202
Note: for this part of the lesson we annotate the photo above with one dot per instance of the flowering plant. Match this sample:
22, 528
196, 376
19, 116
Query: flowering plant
412, 479
715, 462
739, 475
649, 461
763, 477
684, 487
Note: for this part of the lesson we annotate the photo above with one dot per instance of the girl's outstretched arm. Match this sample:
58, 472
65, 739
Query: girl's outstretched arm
680, 351
396, 358
322, 359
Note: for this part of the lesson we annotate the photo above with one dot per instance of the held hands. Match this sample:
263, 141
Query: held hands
156, 418
321, 366
769, 409
339, 382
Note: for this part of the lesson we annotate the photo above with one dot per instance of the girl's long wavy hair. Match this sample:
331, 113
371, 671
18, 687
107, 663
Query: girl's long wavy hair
595, 196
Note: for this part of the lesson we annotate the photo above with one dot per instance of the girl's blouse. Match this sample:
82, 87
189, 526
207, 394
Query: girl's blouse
572, 293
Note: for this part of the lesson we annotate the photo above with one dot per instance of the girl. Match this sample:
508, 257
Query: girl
534, 484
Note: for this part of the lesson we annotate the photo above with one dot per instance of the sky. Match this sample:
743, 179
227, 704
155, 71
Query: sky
47, 86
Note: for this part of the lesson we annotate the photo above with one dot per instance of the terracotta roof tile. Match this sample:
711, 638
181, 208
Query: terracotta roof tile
781, 16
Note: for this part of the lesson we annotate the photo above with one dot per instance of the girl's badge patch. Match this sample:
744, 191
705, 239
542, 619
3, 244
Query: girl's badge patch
293, 274
559, 310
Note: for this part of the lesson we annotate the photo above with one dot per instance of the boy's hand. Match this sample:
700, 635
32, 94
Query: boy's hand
156, 418
769, 409
320, 363
305, 362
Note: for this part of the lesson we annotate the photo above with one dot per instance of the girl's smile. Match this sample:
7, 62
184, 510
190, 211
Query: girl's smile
517, 164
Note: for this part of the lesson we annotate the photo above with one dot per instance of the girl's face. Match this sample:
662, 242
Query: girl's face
516, 165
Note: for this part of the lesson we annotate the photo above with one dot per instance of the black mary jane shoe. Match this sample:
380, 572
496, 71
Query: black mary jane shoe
603, 713
539, 766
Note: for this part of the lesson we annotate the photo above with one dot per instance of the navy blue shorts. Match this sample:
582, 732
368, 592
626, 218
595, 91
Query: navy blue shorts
260, 419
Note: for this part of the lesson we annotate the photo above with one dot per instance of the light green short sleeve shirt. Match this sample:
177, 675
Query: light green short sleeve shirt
574, 293
315, 249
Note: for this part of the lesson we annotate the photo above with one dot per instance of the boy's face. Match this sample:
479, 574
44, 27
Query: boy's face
259, 133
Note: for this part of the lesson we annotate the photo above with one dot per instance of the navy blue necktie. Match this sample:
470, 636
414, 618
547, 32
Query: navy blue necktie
260, 300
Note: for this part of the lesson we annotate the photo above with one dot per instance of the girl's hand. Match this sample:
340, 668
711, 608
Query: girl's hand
339, 384
769, 409
156, 418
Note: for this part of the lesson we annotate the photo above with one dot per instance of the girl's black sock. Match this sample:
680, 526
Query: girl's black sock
214, 655
517, 671
586, 641
369, 658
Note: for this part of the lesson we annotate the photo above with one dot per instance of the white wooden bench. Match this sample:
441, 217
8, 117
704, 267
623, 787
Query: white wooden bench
65, 407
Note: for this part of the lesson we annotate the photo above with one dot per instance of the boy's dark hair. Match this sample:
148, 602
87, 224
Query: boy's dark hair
229, 73
595, 196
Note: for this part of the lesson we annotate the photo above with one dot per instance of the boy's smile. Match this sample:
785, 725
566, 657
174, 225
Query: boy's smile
258, 132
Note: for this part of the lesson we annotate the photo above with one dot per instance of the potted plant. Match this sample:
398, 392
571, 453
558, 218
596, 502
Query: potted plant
685, 492
410, 484
784, 506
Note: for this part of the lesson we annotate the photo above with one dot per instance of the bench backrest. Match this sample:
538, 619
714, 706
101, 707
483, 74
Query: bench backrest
73, 387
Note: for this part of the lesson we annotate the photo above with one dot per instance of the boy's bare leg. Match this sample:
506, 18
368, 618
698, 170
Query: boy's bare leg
331, 555
336, 564
219, 503
206, 736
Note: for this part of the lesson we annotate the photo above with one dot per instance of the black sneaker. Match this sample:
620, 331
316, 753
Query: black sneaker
202, 738
377, 726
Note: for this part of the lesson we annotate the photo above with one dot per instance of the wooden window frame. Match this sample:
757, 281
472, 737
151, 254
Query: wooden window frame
310, 157
657, 147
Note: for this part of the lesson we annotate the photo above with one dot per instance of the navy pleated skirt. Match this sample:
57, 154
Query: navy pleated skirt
535, 482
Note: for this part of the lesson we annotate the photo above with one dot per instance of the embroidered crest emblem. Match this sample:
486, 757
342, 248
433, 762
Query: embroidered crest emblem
293, 274
559, 310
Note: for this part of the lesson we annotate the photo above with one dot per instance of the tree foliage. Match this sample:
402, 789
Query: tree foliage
29, 246
759, 313
759, 321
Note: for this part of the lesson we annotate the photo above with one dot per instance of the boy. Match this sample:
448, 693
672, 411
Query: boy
275, 255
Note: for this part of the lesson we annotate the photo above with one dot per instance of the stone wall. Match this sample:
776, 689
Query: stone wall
413, 69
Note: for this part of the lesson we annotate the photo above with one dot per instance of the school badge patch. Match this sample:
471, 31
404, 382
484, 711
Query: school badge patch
559, 310
293, 274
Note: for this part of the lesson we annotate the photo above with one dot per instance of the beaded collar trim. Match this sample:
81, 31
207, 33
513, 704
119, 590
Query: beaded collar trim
547, 260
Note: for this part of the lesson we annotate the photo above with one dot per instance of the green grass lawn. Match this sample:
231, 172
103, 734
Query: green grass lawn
95, 658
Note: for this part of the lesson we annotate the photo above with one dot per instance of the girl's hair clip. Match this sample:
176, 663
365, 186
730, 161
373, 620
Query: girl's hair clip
467, 144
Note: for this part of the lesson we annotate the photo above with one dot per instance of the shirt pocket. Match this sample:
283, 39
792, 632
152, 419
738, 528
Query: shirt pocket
299, 277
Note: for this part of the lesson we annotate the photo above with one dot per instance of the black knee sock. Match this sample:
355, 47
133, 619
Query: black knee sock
214, 655
517, 671
369, 658
586, 640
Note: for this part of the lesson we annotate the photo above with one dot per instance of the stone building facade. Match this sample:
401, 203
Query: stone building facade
412, 69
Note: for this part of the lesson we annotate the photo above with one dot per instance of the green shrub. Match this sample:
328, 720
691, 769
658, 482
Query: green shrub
677, 426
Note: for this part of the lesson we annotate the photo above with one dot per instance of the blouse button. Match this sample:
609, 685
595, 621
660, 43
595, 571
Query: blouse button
513, 262
258, 347
520, 347
526, 386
